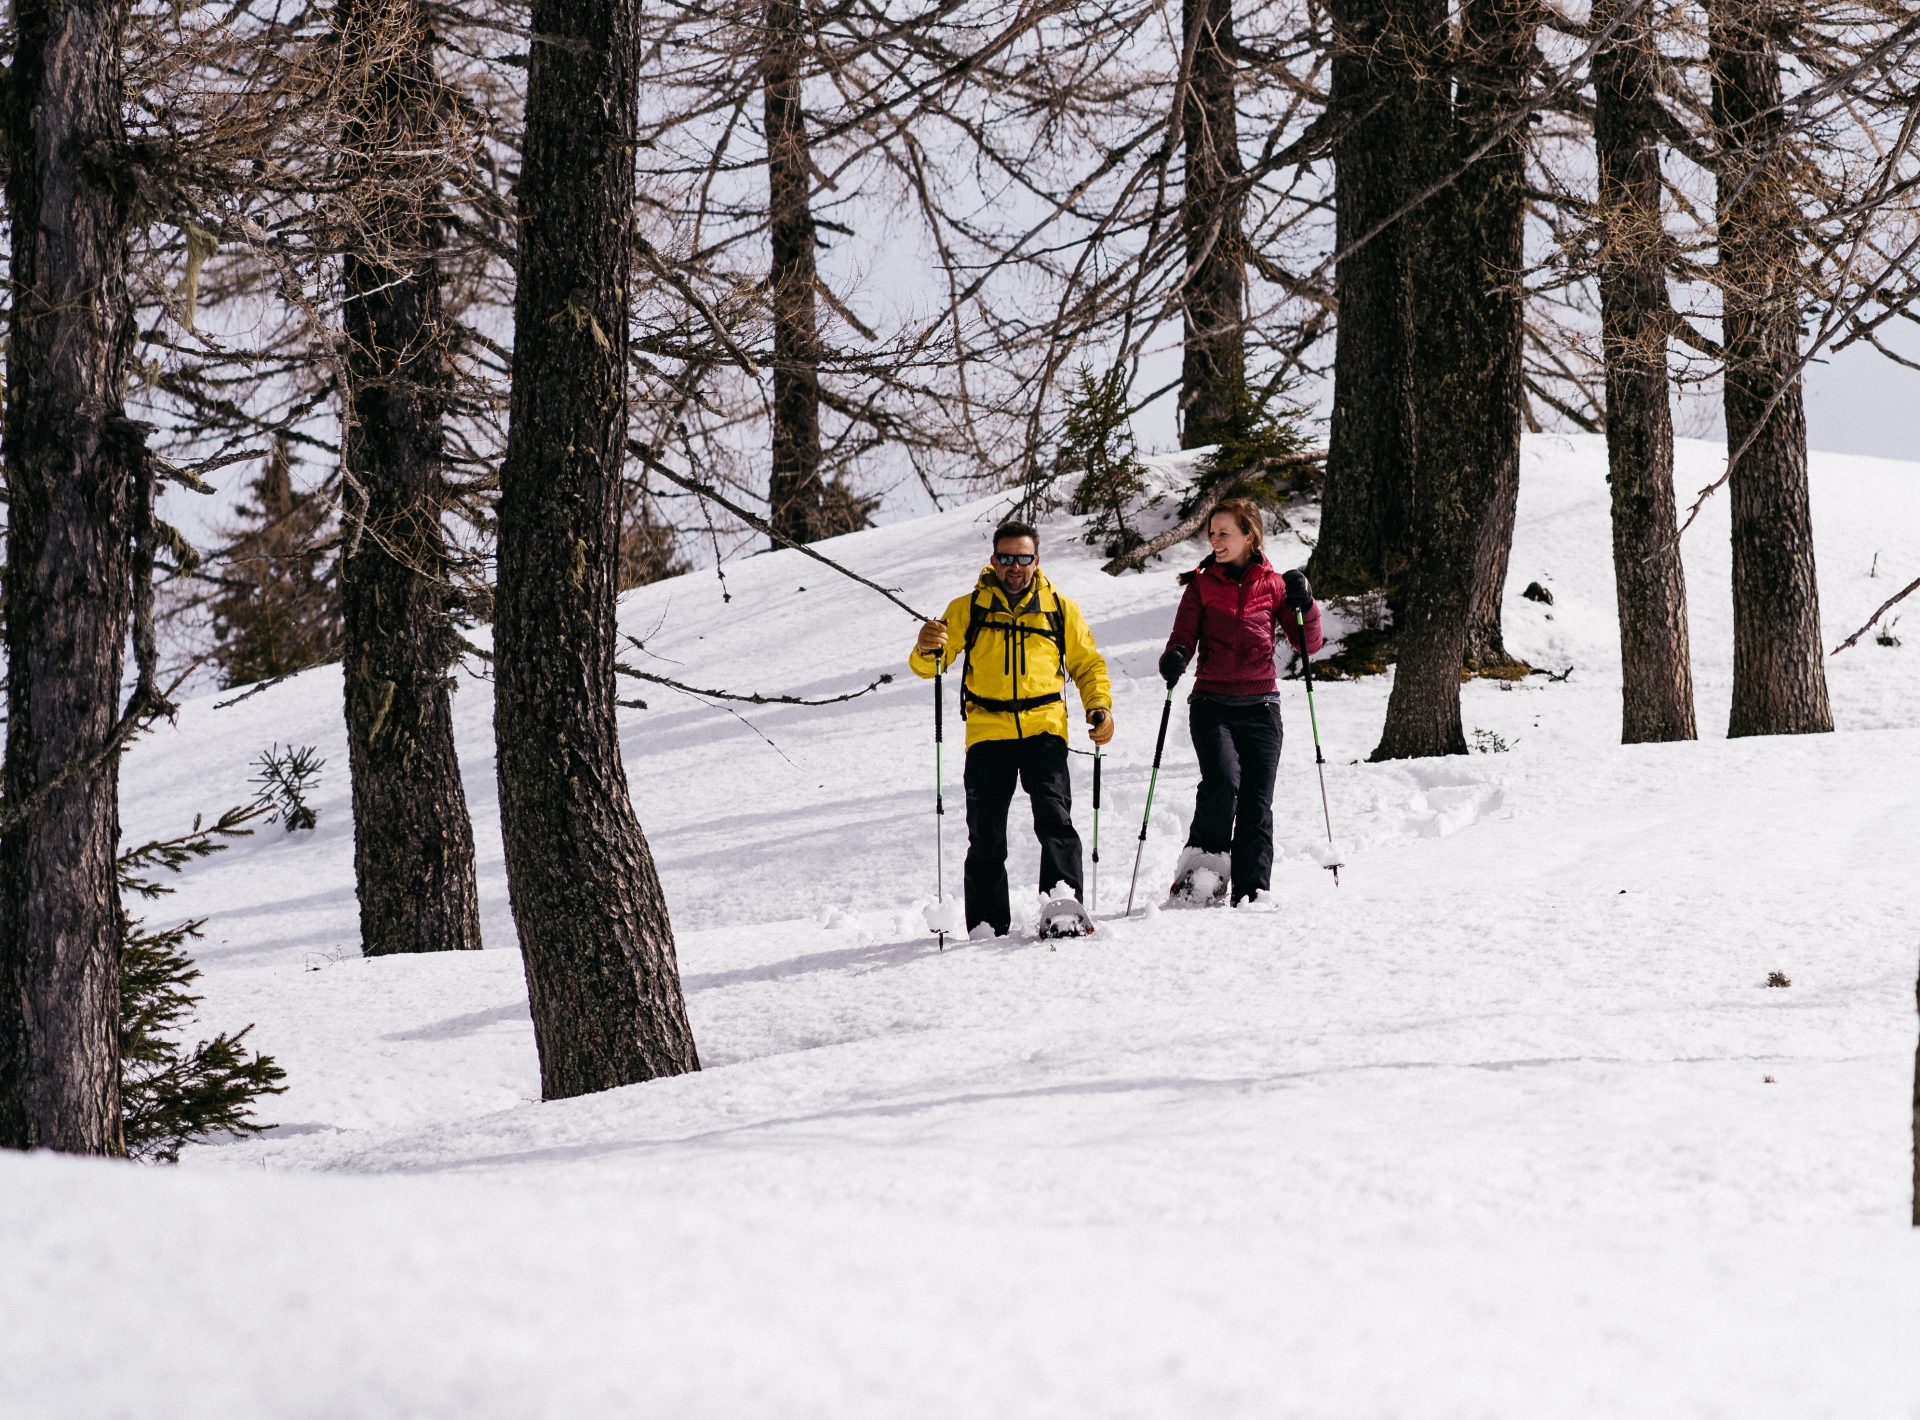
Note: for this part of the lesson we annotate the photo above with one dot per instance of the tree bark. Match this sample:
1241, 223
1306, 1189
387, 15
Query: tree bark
412, 837
1486, 647
795, 493
601, 974
1779, 672
1650, 582
1363, 540
72, 459
1468, 332
1213, 368
1498, 56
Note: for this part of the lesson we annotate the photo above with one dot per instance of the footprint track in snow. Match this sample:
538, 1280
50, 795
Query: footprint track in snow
1446, 798
1407, 802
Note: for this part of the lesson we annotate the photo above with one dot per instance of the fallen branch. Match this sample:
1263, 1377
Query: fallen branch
1886, 606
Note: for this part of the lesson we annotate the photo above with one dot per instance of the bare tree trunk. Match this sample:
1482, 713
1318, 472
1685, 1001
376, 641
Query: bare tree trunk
601, 975
1656, 667
1213, 370
1779, 675
796, 496
1498, 56
1468, 334
1486, 648
412, 837
71, 462
1371, 440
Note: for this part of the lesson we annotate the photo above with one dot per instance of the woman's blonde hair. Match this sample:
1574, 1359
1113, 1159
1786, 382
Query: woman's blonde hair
1246, 513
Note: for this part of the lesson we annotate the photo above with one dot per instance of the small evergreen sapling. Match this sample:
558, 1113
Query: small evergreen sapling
1263, 442
278, 609
284, 778
170, 1094
1098, 445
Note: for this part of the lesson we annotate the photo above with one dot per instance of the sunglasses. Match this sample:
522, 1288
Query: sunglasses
1016, 559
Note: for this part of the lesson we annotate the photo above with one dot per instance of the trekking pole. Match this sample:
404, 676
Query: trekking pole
939, 797
1159, 747
1319, 759
1093, 898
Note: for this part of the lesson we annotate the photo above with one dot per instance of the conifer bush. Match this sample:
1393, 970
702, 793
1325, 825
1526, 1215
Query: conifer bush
1097, 443
279, 609
1262, 440
173, 1093
284, 776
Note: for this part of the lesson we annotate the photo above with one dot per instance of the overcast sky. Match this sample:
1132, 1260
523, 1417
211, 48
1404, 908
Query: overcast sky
1858, 402
1864, 403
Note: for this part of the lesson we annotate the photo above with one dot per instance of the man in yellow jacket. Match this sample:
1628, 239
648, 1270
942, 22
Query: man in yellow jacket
1019, 641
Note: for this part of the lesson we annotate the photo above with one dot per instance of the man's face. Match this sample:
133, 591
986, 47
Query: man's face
1007, 567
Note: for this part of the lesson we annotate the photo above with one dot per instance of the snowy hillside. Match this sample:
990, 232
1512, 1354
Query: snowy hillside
1507, 1123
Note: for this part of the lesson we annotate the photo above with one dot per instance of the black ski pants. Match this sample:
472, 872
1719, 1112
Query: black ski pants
1039, 764
1239, 750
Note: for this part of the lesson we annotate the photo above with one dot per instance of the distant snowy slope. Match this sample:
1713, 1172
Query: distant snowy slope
1507, 1123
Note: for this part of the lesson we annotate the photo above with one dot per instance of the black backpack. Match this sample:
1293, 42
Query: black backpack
1056, 629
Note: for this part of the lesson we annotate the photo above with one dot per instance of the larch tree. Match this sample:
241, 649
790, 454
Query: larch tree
1213, 297
1779, 671
78, 494
1371, 433
796, 497
1632, 259
412, 836
602, 979
1469, 319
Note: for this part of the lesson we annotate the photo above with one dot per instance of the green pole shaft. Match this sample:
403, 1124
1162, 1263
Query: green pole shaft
1153, 781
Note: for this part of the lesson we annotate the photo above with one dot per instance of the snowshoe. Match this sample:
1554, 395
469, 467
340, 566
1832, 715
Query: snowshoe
1200, 879
1063, 917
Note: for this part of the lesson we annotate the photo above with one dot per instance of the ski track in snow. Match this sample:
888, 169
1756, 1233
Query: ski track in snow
1507, 1123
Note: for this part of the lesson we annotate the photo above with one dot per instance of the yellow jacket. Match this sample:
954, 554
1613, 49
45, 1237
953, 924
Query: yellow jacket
1016, 661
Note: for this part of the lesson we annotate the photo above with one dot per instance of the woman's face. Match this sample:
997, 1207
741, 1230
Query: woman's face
1230, 545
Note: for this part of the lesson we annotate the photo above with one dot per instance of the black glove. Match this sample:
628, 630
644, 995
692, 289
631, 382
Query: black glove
1299, 594
1173, 661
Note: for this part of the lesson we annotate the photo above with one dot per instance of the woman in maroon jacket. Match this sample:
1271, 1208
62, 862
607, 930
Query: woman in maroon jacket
1234, 612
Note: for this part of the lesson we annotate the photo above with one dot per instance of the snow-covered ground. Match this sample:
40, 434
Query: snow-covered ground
1507, 1123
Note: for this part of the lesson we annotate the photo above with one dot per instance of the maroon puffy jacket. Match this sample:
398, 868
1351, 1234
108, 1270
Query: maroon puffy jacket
1231, 621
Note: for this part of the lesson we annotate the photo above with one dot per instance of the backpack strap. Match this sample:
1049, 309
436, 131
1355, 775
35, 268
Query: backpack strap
976, 618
